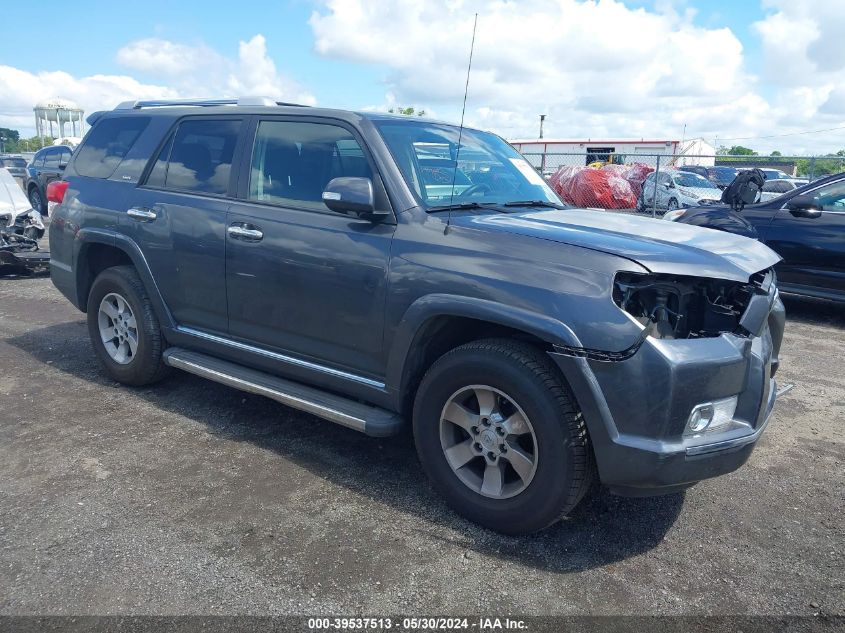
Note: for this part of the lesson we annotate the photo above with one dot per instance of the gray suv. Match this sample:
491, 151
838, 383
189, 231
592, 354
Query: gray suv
383, 272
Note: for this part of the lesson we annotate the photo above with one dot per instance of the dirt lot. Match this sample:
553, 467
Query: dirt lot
190, 497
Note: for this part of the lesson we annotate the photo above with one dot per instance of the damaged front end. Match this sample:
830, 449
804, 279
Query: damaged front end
693, 393
680, 307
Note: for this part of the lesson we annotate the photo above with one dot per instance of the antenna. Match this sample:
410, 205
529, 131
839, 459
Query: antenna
460, 130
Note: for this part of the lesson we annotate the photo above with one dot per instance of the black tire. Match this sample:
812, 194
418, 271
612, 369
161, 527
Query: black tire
672, 205
37, 200
564, 467
640, 204
146, 365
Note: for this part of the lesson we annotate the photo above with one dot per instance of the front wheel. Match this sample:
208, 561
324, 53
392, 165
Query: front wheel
124, 329
673, 205
37, 201
500, 436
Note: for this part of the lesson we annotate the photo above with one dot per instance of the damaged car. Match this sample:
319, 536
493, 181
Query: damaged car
309, 255
21, 227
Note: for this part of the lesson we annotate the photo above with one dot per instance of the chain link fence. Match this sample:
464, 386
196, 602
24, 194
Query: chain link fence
656, 183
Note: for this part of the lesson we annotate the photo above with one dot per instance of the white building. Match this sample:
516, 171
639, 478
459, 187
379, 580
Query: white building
551, 153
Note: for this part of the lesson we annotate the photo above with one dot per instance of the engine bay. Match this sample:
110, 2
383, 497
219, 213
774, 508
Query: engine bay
679, 307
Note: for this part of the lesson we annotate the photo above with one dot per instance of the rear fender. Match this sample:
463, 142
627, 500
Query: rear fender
85, 238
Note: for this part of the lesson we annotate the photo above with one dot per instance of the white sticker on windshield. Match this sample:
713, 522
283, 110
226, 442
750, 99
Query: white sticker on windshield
528, 171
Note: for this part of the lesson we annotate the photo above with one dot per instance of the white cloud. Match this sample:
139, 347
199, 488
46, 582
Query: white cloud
175, 71
596, 68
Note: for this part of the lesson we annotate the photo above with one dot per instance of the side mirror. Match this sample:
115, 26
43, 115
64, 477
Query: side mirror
804, 206
352, 195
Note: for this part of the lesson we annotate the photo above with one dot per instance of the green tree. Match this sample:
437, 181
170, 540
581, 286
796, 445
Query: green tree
776, 153
10, 140
739, 150
407, 111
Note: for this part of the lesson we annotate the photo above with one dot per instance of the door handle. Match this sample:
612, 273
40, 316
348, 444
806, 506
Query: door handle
239, 232
142, 215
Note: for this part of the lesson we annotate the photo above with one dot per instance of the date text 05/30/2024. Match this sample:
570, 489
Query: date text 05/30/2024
416, 624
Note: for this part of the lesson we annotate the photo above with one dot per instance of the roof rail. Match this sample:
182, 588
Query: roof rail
240, 101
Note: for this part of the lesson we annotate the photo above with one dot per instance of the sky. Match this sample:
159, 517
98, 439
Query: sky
758, 73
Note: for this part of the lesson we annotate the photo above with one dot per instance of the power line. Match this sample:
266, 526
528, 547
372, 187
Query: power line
754, 138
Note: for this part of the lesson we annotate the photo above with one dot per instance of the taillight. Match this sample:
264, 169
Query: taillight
56, 190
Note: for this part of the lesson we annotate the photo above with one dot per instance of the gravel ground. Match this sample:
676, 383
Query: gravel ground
192, 498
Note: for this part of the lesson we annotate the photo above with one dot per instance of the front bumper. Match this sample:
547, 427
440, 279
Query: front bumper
637, 409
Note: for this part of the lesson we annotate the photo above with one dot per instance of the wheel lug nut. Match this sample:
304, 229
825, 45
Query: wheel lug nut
490, 455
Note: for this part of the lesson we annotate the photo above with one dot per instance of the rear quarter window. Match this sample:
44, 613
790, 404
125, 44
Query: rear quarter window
107, 144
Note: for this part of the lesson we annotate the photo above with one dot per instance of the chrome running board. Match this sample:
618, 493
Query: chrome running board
350, 413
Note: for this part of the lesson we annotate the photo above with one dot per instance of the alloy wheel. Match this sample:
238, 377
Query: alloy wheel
488, 441
118, 328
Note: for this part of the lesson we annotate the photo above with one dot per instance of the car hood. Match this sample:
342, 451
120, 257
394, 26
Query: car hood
705, 193
13, 200
658, 246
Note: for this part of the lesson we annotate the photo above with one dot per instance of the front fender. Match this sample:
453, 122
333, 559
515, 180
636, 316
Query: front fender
408, 333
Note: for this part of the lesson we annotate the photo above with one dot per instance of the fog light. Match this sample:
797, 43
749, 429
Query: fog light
711, 416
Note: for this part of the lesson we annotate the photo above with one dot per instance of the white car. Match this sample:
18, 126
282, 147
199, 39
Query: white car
677, 190
774, 188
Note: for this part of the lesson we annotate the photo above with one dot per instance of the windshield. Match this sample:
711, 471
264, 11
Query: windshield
722, 174
688, 179
489, 171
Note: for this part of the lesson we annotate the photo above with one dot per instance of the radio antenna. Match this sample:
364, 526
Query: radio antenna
460, 130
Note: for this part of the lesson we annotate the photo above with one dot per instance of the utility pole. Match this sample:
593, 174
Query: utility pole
542, 118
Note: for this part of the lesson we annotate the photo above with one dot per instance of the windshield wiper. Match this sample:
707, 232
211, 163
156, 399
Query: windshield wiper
465, 205
534, 203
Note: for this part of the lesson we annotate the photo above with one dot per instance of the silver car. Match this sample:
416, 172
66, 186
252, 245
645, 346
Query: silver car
677, 190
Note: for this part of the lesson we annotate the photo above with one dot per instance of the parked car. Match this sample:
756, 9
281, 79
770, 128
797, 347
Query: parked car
675, 190
775, 188
805, 226
15, 164
303, 254
47, 165
17, 217
775, 174
719, 176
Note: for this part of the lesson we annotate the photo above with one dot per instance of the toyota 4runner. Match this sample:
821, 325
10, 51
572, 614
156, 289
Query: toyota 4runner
381, 271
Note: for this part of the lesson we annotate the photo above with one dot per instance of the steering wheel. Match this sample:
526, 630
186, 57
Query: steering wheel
479, 187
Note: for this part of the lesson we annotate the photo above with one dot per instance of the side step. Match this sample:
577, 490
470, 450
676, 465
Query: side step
361, 417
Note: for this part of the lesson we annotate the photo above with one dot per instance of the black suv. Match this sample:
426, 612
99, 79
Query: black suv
47, 165
382, 271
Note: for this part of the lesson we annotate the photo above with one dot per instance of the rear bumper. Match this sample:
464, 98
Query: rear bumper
637, 409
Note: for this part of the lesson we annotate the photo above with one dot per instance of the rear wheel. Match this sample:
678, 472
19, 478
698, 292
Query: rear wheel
123, 328
500, 436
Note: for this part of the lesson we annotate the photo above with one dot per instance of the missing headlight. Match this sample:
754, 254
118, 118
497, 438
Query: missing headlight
683, 307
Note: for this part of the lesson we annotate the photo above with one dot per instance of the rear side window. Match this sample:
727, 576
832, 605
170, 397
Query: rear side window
51, 159
198, 157
107, 144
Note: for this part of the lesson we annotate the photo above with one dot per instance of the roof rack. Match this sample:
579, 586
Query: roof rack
240, 101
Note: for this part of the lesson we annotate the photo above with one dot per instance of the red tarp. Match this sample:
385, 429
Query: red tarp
611, 187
